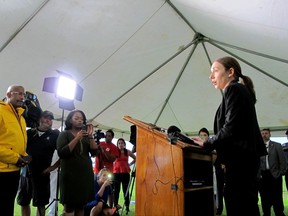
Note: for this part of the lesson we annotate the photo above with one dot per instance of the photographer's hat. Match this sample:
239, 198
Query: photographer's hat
47, 113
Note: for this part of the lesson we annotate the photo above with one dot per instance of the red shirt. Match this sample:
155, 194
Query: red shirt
101, 160
121, 164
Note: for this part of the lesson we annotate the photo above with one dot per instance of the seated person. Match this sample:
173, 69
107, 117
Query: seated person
99, 206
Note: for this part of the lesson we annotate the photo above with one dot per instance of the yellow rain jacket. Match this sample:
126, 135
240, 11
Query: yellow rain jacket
13, 137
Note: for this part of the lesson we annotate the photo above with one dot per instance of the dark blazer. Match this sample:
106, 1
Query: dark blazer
237, 133
276, 160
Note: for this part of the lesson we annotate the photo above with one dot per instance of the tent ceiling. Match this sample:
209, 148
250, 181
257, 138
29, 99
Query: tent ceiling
147, 59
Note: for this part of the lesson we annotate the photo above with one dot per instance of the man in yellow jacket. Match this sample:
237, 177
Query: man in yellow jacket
13, 140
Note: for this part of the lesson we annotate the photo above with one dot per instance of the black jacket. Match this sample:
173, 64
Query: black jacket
236, 128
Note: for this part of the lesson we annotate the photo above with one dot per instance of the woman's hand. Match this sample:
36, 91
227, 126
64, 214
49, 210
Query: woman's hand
198, 141
90, 130
107, 182
80, 134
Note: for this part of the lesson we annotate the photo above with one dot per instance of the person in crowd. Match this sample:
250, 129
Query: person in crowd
121, 172
237, 138
74, 146
285, 149
41, 145
109, 153
218, 175
273, 167
13, 139
99, 205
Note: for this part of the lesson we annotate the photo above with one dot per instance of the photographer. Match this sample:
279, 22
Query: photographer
109, 153
35, 180
13, 140
99, 206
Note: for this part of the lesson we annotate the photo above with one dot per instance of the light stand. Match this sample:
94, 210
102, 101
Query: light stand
56, 199
66, 90
130, 185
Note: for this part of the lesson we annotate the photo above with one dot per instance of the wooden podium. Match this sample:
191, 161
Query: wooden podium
171, 179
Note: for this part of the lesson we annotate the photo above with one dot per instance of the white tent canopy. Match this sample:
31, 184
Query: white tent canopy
147, 59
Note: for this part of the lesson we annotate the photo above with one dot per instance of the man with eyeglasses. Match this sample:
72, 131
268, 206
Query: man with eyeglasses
13, 140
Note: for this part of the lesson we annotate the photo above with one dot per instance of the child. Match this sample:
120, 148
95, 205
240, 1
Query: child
102, 186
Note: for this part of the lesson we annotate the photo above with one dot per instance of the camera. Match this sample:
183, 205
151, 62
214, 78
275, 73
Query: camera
98, 134
30, 96
27, 158
32, 108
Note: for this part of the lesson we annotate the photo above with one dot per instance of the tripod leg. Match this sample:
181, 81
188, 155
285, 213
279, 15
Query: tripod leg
56, 199
132, 179
57, 191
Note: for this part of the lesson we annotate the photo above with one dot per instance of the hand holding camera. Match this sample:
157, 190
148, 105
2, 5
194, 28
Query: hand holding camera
84, 130
109, 180
88, 129
23, 161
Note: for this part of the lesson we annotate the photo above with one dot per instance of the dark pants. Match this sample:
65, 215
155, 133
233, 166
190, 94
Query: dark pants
241, 188
123, 178
36, 187
286, 179
9, 182
270, 189
220, 179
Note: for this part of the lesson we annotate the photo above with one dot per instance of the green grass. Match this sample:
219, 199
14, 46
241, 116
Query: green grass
17, 208
285, 199
17, 211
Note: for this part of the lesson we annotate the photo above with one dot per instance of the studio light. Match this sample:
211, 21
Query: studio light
65, 88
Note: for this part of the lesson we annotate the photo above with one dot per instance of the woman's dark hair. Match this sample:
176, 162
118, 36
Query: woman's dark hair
125, 150
68, 124
203, 130
229, 62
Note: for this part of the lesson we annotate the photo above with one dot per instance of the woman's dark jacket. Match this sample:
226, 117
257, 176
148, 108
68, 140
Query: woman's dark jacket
237, 133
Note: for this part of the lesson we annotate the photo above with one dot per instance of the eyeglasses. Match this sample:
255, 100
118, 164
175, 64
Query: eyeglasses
19, 93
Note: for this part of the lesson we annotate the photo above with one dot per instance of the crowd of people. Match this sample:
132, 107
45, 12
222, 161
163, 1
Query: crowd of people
26, 161
248, 163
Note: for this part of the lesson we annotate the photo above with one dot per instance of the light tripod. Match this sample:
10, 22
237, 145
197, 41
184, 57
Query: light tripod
56, 199
131, 183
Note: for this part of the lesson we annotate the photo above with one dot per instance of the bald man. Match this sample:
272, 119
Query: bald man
13, 140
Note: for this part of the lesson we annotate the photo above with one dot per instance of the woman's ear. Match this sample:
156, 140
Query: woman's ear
231, 72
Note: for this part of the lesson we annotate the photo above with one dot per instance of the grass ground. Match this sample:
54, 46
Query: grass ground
285, 198
17, 211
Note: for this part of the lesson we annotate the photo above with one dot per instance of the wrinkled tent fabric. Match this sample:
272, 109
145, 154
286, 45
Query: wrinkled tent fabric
147, 59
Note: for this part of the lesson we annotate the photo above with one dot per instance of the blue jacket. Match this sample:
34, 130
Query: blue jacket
93, 203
